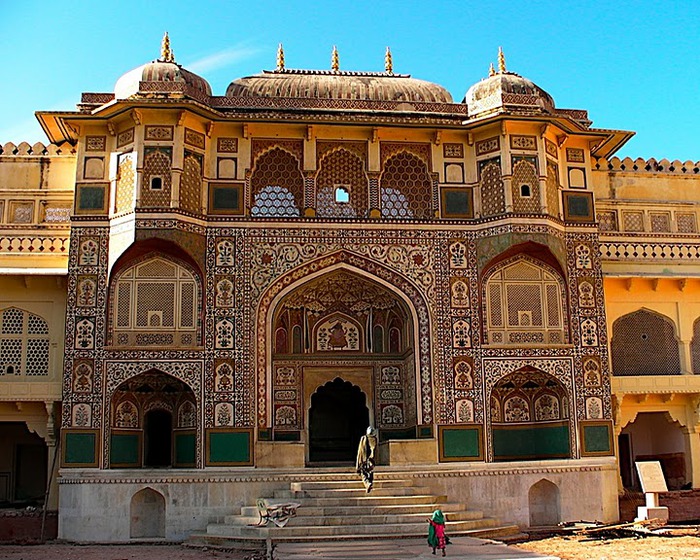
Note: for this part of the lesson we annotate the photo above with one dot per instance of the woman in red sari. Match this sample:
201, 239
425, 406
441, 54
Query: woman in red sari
436, 532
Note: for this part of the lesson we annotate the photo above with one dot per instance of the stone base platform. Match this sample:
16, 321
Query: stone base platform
171, 504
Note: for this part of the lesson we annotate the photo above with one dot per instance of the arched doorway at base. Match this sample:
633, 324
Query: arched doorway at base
337, 419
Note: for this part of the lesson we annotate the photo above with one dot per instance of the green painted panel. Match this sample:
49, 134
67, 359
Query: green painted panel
124, 449
229, 447
185, 449
597, 439
535, 442
226, 198
79, 448
407, 433
91, 198
460, 442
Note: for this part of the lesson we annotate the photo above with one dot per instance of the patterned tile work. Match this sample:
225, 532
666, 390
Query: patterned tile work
126, 183
406, 187
493, 200
191, 183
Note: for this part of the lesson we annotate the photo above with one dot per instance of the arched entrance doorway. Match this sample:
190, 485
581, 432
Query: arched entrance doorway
337, 419
341, 323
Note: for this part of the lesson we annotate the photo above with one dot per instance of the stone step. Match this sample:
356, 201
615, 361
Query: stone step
371, 499
501, 532
377, 509
350, 518
350, 492
380, 529
355, 484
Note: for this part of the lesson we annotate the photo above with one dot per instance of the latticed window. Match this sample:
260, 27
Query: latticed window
155, 304
406, 187
157, 177
278, 185
644, 343
24, 343
695, 347
525, 188
524, 305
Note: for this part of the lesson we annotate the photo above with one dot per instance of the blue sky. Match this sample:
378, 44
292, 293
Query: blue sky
632, 65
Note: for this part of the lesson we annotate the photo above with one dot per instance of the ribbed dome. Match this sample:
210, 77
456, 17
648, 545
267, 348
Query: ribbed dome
366, 86
507, 91
159, 71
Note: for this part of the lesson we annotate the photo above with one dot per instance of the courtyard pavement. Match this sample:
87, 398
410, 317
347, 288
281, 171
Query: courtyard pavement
375, 549
389, 549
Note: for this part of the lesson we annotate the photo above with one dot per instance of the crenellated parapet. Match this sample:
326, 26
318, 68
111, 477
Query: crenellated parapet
651, 165
38, 149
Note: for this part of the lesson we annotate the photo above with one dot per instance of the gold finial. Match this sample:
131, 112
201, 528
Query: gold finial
388, 62
335, 60
166, 55
501, 61
280, 57
492, 72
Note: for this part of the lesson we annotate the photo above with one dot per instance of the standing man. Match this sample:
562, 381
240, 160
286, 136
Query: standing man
365, 458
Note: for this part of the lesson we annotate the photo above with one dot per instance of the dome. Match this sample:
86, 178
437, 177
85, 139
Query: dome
507, 91
357, 86
172, 78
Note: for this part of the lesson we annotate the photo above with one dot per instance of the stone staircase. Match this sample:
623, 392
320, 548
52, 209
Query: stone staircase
341, 509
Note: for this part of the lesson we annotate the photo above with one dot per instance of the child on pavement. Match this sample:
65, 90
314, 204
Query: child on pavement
436, 532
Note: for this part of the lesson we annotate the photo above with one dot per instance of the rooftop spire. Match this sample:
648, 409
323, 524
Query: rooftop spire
501, 61
166, 55
280, 57
388, 62
335, 60
492, 72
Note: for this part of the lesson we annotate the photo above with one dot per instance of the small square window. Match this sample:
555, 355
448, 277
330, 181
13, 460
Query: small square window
342, 194
525, 191
156, 183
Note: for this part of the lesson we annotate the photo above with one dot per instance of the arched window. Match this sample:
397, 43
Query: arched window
644, 343
24, 343
277, 184
156, 304
341, 186
406, 187
525, 304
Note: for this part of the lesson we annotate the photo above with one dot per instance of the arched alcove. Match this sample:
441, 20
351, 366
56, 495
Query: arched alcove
153, 422
147, 515
544, 504
530, 417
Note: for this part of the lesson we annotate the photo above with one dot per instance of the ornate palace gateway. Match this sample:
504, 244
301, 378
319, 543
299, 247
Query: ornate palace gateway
255, 278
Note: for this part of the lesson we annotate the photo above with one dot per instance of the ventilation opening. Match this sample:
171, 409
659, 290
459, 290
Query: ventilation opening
156, 183
342, 195
525, 191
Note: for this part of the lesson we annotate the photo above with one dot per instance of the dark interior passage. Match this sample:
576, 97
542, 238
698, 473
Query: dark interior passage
337, 420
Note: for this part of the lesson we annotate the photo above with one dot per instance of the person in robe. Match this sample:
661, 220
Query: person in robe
436, 532
365, 458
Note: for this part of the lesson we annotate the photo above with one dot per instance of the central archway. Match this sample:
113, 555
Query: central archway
337, 419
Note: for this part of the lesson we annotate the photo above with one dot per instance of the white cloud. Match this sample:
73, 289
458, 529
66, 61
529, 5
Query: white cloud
222, 59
